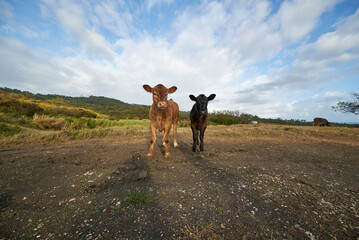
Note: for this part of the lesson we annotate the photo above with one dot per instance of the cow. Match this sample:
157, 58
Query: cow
163, 114
199, 118
320, 122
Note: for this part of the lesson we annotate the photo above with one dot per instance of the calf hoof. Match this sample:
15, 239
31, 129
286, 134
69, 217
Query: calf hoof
175, 145
194, 149
149, 154
167, 154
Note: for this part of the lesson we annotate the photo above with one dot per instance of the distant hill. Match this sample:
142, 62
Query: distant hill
113, 108
103, 107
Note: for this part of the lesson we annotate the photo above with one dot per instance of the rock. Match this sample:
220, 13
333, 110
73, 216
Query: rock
142, 174
136, 175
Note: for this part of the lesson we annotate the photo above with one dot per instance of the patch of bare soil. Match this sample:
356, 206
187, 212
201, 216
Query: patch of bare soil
235, 189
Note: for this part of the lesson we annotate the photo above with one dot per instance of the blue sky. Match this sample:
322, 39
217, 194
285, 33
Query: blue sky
288, 59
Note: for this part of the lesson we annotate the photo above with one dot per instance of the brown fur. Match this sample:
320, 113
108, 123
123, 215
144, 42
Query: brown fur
320, 122
163, 114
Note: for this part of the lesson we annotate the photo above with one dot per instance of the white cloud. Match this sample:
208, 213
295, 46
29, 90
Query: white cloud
254, 83
332, 48
6, 11
28, 70
11, 26
315, 62
298, 17
212, 48
153, 3
72, 19
115, 18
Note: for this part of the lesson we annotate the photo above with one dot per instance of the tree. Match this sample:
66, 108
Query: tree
348, 107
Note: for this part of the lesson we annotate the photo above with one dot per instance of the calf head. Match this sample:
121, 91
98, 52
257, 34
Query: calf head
159, 94
202, 102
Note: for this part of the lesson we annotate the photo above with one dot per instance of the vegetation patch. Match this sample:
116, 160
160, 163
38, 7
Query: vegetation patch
200, 231
46, 122
7, 130
136, 198
215, 190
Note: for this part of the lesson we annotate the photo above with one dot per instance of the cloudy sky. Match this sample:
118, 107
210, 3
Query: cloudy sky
288, 59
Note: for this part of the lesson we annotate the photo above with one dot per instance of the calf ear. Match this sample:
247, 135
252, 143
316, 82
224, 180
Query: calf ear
211, 97
147, 88
172, 89
193, 98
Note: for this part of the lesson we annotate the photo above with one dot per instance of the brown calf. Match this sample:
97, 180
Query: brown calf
320, 122
163, 114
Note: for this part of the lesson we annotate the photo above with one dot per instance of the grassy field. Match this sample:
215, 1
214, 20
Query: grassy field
283, 133
29, 118
17, 134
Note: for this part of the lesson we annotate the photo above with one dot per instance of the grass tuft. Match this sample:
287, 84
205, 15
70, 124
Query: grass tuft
136, 198
46, 122
199, 231
7, 130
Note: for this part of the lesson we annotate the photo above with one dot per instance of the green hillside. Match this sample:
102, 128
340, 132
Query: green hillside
27, 117
112, 108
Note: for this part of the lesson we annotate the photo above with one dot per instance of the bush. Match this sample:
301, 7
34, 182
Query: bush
7, 130
19, 108
3, 117
71, 112
46, 122
230, 117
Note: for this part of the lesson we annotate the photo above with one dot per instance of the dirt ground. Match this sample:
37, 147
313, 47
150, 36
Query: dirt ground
236, 189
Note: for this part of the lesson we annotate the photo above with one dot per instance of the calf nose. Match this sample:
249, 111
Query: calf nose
162, 104
202, 112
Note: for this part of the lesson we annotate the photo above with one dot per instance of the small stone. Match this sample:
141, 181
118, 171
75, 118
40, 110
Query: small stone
142, 174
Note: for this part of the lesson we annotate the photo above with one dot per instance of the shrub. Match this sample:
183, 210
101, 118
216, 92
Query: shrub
7, 130
71, 112
78, 123
229, 118
19, 108
3, 117
46, 122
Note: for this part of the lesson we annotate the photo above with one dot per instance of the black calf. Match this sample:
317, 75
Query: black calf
199, 117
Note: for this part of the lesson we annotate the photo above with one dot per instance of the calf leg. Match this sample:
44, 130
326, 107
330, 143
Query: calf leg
195, 138
166, 140
175, 144
201, 137
152, 140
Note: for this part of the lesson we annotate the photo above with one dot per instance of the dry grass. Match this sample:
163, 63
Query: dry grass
140, 130
28, 135
283, 132
199, 231
46, 122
